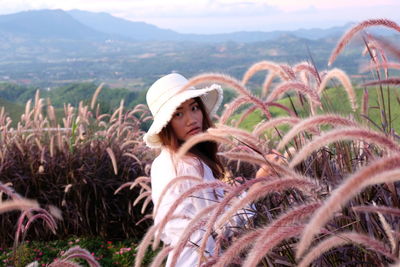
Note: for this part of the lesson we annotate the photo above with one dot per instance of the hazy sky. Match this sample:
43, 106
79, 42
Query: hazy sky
216, 16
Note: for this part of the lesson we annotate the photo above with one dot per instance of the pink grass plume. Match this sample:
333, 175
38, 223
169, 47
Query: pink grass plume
344, 238
296, 86
381, 171
344, 80
363, 25
348, 133
314, 121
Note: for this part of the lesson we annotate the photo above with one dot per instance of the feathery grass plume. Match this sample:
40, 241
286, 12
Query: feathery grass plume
380, 171
51, 114
306, 67
288, 71
143, 245
276, 185
344, 80
202, 186
388, 231
344, 238
231, 195
298, 87
380, 209
171, 185
145, 204
227, 80
127, 154
43, 214
365, 103
20, 204
238, 134
121, 109
198, 138
295, 215
260, 128
58, 263
388, 47
236, 247
138, 181
259, 160
158, 260
113, 159
113, 117
381, 65
348, 133
232, 107
389, 81
267, 83
195, 225
128, 143
257, 253
141, 196
349, 34
95, 95
260, 66
314, 121
81, 253
9, 191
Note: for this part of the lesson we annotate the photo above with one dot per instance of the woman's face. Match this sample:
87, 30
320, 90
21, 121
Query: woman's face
187, 120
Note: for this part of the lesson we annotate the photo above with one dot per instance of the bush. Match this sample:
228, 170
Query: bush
76, 167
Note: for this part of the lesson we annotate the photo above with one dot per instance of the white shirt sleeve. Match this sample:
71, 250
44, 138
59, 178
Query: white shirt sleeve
163, 171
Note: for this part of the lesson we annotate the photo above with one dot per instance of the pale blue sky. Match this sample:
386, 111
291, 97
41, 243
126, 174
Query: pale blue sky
217, 16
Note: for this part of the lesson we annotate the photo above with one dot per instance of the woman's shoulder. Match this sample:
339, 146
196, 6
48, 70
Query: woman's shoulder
167, 161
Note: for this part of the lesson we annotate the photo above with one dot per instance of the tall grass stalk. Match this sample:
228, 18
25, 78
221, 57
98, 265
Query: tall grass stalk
343, 238
381, 171
349, 133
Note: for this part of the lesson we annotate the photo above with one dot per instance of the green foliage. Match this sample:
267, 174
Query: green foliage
72, 93
108, 253
335, 100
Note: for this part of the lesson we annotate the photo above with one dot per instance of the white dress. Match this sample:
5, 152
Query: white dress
163, 170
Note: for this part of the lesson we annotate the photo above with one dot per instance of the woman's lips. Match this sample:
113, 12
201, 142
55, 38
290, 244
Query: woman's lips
194, 131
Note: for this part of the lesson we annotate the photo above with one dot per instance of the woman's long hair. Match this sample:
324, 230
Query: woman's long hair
206, 151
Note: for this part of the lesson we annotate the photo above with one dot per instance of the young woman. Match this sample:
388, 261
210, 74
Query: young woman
178, 116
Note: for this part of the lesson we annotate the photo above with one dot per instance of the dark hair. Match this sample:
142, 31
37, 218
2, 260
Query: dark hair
206, 151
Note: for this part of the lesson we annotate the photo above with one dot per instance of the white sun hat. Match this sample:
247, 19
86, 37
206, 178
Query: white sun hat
163, 98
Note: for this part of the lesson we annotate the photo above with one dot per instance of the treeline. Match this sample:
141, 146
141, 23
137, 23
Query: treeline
14, 97
73, 94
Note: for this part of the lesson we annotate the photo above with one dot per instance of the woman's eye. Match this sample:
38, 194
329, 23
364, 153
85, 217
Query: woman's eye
178, 114
194, 108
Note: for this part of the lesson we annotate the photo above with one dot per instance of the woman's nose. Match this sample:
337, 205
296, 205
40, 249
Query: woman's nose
190, 119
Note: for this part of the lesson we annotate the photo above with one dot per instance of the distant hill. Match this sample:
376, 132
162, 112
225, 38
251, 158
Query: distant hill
84, 25
49, 48
117, 27
47, 24
135, 30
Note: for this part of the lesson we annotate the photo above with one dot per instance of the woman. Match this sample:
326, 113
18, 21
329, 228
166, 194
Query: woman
178, 116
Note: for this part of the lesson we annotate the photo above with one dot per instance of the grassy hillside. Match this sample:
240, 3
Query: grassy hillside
335, 100
13, 110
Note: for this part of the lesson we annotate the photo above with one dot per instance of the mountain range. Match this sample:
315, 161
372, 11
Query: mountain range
84, 25
53, 47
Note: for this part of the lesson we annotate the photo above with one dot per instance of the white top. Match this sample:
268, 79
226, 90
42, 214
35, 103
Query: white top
163, 170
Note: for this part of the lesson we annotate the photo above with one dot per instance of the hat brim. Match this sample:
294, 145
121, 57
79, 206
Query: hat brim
211, 97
